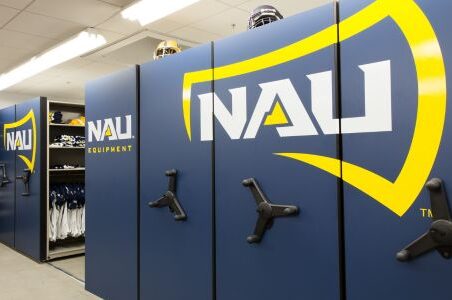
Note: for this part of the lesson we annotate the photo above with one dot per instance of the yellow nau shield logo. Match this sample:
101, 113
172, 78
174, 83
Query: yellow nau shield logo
15, 138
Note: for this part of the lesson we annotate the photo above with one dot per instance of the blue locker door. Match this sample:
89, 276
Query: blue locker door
111, 186
29, 139
266, 124
176, 255
7, 181
395, 138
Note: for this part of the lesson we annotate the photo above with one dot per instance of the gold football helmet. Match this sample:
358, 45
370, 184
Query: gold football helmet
166, 48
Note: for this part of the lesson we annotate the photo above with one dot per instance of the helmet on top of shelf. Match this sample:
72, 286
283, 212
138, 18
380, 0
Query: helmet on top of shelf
166, 48
262, 15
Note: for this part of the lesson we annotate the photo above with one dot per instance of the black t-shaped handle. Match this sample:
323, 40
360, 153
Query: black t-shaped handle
169, 198
26, 180
266, 210
439, 236
4, 178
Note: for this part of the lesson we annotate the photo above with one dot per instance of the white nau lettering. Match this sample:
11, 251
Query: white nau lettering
109, 131
322, 101
19, 141
378, 111
94, 130
377, 99
233, 123
377, 95
301, 123
127, 134
27, 141
10, 141
113, 130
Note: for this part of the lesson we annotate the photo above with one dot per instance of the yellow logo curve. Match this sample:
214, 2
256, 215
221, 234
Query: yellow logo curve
397, 196
30, 116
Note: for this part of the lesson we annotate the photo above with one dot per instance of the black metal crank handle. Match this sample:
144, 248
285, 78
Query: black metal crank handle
26, 180
4, 177
169, 198
267, 211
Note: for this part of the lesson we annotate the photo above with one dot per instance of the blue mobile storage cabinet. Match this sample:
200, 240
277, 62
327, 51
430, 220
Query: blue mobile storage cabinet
31, 208
341, 126
176, 255
414, 36
7, 189
294, 260
24, 192
112, 185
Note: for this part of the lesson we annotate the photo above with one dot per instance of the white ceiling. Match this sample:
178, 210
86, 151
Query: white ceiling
29, 27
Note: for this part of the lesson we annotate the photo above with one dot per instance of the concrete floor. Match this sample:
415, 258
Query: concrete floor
24, 279
74, 266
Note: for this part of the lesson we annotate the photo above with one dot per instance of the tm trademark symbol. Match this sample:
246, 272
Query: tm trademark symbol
426, 212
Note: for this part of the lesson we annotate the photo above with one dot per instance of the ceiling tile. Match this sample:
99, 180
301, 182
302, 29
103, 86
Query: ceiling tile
44, 26
75, 81
164, 26
19, 4
110, 36
233, 2
6, 14
289, 8
138, 52
120, 3
250, 5
120, 25
67, 67
41, 85
193, 13
34, 81
285, 7
75, 64
196, 35
20, 40
15, 55
35, 89
86, 12
198, 11
5, 64
222, 23
98, 69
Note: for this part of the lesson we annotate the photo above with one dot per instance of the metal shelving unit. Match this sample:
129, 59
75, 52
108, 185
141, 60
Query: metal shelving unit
57, 155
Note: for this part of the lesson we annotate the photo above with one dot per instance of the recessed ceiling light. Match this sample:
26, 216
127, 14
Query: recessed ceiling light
82, 43
147, 11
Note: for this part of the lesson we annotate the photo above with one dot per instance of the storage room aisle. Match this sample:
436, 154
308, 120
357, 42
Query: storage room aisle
23, 278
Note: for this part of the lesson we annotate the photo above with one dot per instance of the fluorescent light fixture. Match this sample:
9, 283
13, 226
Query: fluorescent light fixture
147, 11
82, 43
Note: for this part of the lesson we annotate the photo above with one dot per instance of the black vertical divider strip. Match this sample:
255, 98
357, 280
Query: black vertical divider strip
339, 153
42, 139
14, 182
138, 160
214, 225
